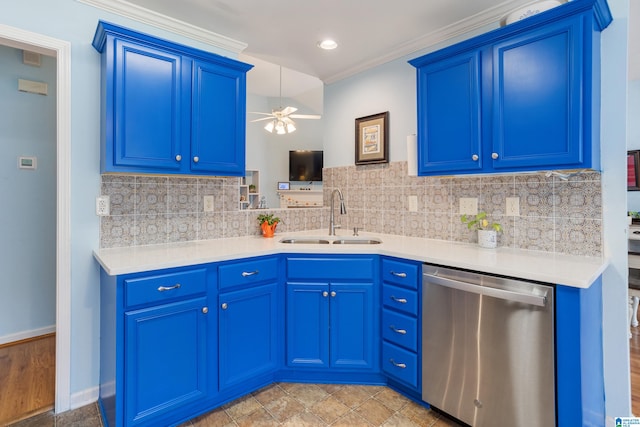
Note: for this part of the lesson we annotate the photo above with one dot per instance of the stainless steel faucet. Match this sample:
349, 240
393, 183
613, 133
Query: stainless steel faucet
343, 210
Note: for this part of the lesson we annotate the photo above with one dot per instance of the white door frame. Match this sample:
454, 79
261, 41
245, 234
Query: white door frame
61, 50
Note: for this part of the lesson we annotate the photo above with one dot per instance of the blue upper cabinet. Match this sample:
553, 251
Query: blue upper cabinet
524, 97
168, 108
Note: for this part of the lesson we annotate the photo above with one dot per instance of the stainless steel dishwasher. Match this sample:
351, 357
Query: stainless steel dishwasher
488, 348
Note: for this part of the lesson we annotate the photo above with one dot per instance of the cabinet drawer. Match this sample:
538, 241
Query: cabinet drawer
400, 329
400, 364
164, 287
400, 273
248, 272
330, 268
400, 299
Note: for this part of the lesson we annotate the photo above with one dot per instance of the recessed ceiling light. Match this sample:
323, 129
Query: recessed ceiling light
327, 44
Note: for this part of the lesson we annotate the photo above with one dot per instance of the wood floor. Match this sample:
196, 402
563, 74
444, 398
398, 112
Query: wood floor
27, 377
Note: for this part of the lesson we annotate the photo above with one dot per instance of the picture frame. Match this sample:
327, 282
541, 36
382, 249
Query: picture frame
633, 172
372, 135
284, 185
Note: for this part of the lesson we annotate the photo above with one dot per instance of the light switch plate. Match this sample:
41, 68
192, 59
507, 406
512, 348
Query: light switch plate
468, 206
413, 203
208, 203
513, 206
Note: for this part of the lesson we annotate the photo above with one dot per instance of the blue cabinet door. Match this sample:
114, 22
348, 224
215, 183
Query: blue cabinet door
307, 315
353, 319
144, 107
449, 119
538, 94
248, 338
165, 366
218, 119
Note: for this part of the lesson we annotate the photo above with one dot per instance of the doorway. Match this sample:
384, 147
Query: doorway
61, 50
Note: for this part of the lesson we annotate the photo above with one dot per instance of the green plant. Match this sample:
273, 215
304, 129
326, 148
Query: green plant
634, 214
252, 188
480, 222
268, 218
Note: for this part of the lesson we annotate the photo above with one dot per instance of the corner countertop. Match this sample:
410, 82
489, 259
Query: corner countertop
568, 270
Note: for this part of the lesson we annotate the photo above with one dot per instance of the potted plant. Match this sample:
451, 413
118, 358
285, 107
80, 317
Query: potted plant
252, 188
268, 224
487, 230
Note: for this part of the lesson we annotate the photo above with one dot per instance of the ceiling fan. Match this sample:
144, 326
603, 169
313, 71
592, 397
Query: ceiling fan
280, 120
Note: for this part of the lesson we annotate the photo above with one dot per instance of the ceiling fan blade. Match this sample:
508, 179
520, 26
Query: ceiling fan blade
305, 116
257, 112
288, 110
262, 119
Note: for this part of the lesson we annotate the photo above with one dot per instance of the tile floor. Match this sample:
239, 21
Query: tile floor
290, 404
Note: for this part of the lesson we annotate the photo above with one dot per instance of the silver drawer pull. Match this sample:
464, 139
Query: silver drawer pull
398, 331
249, 273
169, 288
393, 273
400, 300
398, 365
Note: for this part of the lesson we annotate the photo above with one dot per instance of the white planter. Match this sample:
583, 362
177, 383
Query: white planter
487, 238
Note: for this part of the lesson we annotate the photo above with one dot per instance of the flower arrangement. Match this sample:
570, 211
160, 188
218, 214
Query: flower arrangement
480, 222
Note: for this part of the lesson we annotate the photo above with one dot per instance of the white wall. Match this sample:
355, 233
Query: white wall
633, 136
614, 201
75, 22
269, 153
28, 212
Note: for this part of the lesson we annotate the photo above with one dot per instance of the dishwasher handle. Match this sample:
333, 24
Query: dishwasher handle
537, 300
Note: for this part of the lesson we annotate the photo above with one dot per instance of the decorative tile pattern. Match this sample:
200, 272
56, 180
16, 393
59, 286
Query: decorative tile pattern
556, 215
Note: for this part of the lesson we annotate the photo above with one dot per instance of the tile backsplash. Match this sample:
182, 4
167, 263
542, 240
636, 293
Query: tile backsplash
556, 215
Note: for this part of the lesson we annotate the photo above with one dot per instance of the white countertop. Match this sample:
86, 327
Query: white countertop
574, 271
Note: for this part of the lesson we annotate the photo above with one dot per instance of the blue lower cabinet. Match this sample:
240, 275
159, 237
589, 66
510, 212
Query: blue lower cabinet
166, 363
331, 325
248, 337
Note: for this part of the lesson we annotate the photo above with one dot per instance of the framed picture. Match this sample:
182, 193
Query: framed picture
372, 133
283, 185
633, 162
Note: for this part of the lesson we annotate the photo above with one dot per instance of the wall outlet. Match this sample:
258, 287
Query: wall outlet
103, 205
513, 206
413, 203
208, 203
468, 205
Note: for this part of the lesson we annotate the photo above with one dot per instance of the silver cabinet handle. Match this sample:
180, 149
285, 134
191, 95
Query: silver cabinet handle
224, 306
400, 300
249, 273
196, 159
178, 157
333, 293
398, 365
403, 275
169, 288
475, 157
325, 294
398, 331
494, 156
205, 310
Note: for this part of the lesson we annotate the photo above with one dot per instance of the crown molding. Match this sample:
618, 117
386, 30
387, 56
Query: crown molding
158, 20
480, 20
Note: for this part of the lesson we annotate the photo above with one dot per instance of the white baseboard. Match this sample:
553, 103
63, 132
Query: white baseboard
83, 398
27, 334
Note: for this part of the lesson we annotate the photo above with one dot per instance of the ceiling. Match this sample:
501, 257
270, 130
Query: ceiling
369, 32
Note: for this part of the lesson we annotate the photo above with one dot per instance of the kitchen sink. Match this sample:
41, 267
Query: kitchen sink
304, 241
357, 242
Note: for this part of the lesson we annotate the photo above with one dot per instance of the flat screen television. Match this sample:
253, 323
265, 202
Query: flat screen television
305, 165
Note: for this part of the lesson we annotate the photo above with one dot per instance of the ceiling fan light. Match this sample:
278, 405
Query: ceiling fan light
327, 44
290, 128
280, 128
269, 127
